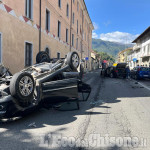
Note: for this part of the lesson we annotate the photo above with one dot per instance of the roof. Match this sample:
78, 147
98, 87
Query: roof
141, 35
125, 50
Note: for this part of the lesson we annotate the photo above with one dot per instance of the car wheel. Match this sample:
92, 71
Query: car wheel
73, 60
42, 57
111, 75
22, 88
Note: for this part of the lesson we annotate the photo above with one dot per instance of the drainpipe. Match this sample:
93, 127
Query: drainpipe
71, 26
40, 28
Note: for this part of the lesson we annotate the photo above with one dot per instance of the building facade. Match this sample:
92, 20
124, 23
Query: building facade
54, 26
142, 49
95, 62
122, 56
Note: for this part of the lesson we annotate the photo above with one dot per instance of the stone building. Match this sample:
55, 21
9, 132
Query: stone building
30, 26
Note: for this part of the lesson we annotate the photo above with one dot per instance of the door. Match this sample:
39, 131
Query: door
60, 90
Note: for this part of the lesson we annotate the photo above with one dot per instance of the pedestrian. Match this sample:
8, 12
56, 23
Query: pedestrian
149, 65
127, 72
146, 65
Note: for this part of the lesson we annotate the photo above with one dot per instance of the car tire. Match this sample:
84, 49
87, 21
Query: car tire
42, 57
22, 88
73, 60
111, 75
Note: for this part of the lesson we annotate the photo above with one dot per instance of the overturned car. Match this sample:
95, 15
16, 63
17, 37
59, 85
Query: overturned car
47, 82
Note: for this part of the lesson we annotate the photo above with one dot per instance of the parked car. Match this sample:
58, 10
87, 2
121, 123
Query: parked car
106, 72
116, 71
44, 83
140, 73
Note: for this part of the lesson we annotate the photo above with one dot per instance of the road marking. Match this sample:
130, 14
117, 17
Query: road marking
141, 84
144, 86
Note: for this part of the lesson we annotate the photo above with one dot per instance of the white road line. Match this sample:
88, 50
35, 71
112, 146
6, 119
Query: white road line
144, 86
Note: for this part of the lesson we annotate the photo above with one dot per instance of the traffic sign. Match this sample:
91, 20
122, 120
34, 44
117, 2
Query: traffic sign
134, 59
86, 58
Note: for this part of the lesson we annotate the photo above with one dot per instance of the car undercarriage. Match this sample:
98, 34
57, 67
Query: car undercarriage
43, 84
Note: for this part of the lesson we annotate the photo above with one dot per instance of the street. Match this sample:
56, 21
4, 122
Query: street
116, 108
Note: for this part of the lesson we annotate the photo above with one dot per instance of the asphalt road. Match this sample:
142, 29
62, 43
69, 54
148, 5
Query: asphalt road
116, 116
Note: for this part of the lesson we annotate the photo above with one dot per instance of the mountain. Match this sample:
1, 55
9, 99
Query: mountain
111, 48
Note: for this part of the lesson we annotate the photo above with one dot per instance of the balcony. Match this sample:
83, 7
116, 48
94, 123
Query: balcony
136, 47
143, 55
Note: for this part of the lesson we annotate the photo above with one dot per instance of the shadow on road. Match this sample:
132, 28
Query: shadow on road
18, 133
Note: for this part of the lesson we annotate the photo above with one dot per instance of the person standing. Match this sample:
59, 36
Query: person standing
127, 72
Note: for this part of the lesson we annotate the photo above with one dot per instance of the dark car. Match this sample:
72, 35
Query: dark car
140, 73
108, 71
116, 71
42, 84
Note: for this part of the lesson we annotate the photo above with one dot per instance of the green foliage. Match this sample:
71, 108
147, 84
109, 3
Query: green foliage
111, 48
105, 56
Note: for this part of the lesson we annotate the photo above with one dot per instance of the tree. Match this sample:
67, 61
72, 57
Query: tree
105, 56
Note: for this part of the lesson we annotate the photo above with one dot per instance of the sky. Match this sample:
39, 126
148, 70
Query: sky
119, 20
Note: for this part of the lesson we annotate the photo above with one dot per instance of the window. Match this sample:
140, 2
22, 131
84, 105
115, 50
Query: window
47, 20
59, 29
72, 39
0, 48
77, 44
83, 18
58, 55
28, 54
73, 18
80, 46
59, 3
29, 9
77, 27
66, 35
83, 35
77, 6
67, 11
80, 12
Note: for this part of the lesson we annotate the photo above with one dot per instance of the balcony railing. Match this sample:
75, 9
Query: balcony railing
136, 47
146, 54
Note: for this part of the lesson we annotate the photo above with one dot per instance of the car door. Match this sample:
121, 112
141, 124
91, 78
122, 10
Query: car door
149, 72
60, 90
145, 72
